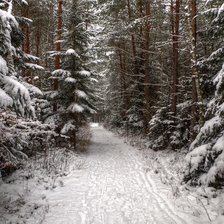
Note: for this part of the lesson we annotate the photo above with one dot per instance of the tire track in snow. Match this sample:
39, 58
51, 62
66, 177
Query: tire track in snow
152, 190
112, 189
158, 200
169, 213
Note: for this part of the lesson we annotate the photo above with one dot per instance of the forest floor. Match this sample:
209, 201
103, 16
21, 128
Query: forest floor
110, 184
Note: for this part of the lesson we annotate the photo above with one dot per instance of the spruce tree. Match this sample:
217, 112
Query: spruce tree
75, 96
13, 93
205, 160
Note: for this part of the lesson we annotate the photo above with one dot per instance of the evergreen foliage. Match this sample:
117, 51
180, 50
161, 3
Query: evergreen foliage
206, 161
11, 39
19, 136
153, 68
75, 97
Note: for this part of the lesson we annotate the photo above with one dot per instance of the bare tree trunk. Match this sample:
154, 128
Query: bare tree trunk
140, 6
26, 32
121, 73
58, 48
123, 80
146, 109
125, 84
175, 34
74, 140
132, 35
50, 39
38, 38
26, 43
197, 102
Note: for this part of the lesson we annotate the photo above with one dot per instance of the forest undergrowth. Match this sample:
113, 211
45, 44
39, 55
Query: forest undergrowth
23, 192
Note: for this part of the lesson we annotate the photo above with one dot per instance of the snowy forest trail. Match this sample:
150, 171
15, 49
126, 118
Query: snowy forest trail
111, 187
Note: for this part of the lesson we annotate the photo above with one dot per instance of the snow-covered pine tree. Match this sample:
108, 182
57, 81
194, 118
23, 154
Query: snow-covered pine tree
74, 96
13, 92
16, 134
206, 159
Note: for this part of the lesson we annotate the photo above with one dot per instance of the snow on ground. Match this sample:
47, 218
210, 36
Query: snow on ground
94, 125
112, 185
24, 195
168, 167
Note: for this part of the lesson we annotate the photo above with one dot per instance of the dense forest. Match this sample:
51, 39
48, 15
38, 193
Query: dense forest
149, 68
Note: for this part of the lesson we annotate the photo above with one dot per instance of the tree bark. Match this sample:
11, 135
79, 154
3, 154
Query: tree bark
58, 47
132, 35
175, 21
26, 31
38, 39
197, 102
123, 80
146, 108
26, 42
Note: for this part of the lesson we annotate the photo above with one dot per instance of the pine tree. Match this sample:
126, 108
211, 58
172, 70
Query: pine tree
11, 59
206, 157
74, 95
19, 137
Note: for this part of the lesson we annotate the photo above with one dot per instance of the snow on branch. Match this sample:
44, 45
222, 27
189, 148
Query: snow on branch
19, 94
3, 66
68, 127
219, 79
24, 21
5, 99
70, 79
23, 2
91, 110
85, 73
81, 94
33, 90
197, 156
8, 24
75, 108
31, 57
220, 12
72, 52
61, 72
94, 80
33, 66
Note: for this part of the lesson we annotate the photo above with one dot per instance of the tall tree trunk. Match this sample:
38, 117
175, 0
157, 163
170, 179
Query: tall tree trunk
26, 42
58, 47
140, 8
197, 102
38, 38
126, 90
26, 32
50, 35
175, 20
132, 35
123, 80
121, 73
146, 108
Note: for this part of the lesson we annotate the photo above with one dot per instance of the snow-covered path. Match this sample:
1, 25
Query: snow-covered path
112, 187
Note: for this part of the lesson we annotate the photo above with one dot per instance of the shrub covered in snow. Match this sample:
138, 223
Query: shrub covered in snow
206, 159
20, 139
165, 132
